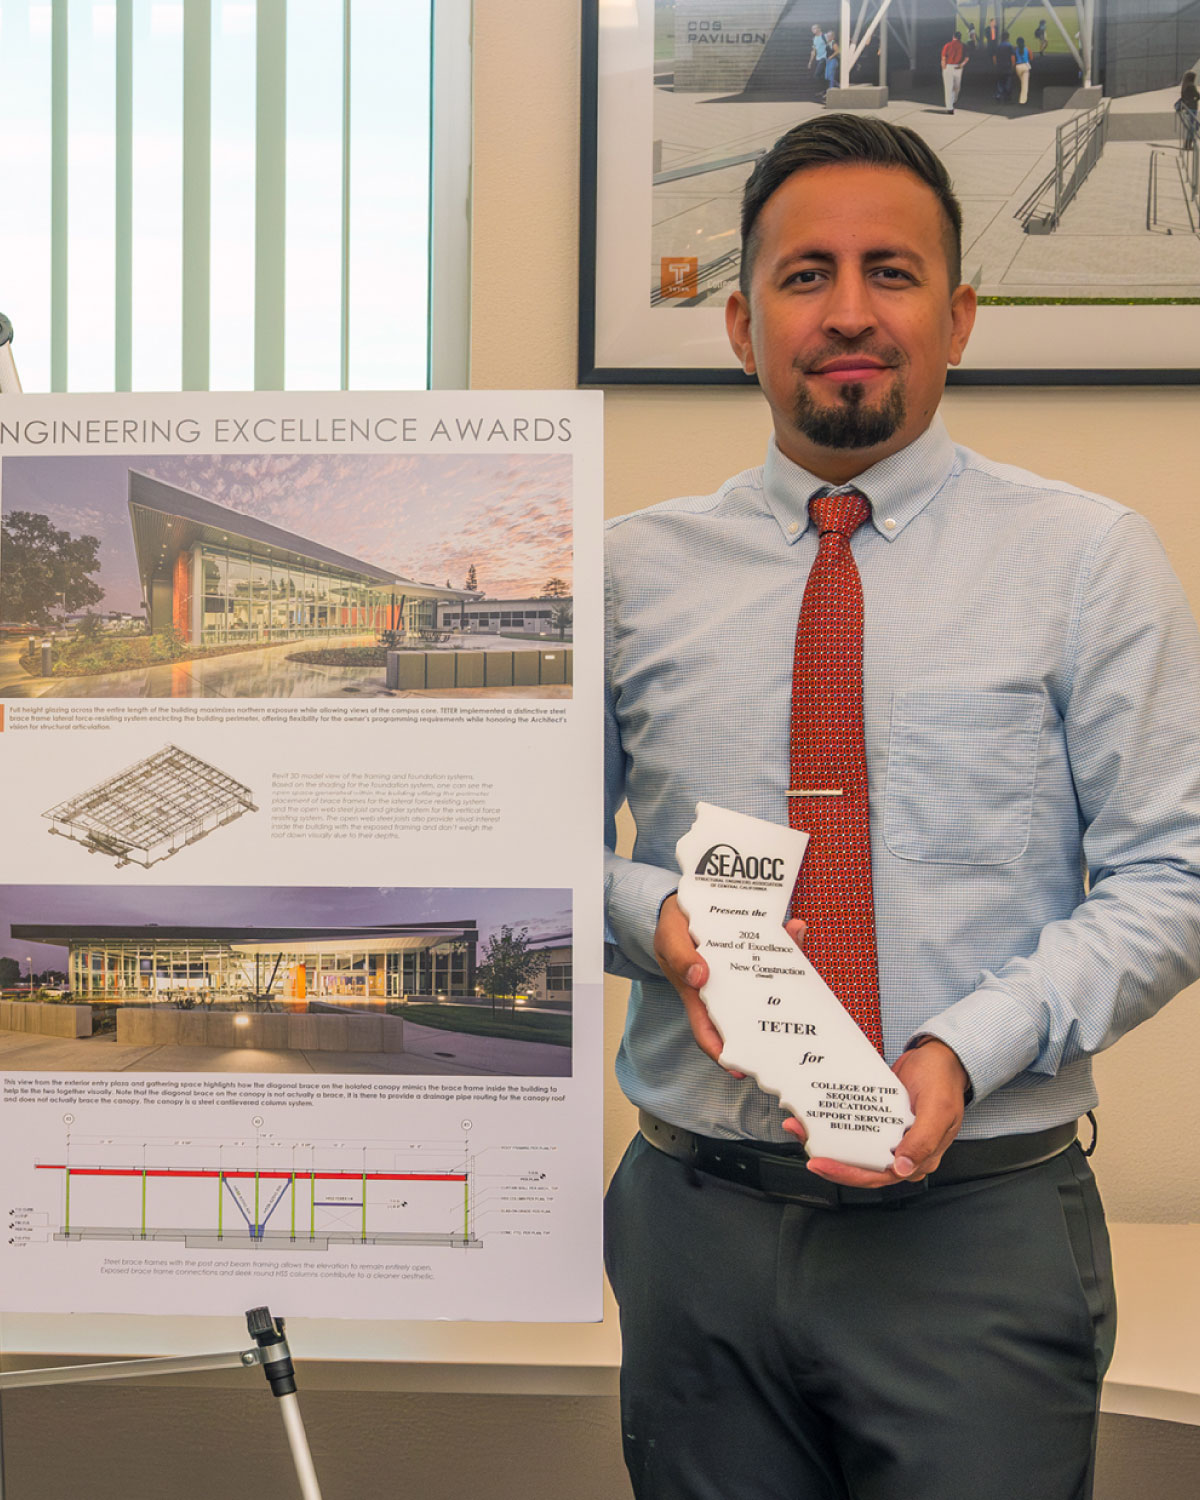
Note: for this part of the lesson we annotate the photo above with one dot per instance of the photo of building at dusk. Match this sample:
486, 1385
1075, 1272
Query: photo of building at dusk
194, 575
220, 577
286, 979
291, 965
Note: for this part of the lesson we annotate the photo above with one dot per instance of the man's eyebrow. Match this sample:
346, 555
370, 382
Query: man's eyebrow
814, 255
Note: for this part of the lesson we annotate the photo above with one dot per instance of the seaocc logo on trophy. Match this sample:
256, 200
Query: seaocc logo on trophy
780, 1021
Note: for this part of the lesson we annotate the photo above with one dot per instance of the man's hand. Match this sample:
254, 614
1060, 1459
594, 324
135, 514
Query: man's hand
681, 963
937, 1083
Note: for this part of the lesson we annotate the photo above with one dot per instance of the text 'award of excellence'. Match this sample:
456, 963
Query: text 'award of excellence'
780, 1021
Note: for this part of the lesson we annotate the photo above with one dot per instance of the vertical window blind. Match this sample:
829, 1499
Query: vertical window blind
216, 194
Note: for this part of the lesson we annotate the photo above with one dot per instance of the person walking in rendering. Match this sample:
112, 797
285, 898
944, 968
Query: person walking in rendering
820, 50
1186, 108
1004, 60
1039, 37
831, 60
1023, 66
954, 60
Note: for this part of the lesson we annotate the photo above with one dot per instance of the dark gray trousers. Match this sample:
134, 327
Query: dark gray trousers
949, 1346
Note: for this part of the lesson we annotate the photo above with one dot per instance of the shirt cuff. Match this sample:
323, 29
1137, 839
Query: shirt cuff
633, 904
991, 1034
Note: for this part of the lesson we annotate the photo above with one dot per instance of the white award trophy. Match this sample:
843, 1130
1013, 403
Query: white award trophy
780, 1021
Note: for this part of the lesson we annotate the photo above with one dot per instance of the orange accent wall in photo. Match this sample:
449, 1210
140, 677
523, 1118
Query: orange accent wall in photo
181, 594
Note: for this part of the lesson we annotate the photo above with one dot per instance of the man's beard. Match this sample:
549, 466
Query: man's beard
850, 424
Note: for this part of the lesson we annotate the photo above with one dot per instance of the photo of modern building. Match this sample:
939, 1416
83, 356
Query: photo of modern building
286, 979
551, 986
220, 577
267, 575
540, 616
291, 965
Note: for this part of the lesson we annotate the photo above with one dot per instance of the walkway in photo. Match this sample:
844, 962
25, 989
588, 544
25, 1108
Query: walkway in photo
15, 681
428, 1052
268, 672
1107, 217
488, 1054
996, 156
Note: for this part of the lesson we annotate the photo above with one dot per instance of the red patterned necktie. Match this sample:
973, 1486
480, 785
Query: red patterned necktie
828, 793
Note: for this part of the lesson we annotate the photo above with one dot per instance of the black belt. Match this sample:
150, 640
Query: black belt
780, 1172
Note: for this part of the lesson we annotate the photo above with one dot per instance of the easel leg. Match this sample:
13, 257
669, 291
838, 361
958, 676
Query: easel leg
267, 1333
298, 1442
271, 1355
10, 381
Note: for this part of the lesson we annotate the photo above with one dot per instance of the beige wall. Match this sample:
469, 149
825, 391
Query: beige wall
1137, 445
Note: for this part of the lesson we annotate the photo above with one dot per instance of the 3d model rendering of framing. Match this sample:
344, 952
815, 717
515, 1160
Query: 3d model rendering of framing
151, 810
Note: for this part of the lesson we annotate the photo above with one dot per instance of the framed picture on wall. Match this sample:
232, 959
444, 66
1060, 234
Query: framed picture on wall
1078, 176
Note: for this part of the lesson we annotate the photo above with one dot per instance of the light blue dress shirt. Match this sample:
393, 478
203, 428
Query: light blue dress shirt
1032, 717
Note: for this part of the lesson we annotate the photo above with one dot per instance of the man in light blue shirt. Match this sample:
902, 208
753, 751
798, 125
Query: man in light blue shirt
820, 50
1031, 708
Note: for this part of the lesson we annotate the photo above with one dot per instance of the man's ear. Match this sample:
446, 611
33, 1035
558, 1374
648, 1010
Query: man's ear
962, 320
737, 326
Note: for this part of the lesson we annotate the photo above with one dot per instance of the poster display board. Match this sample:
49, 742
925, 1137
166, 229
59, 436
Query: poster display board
300, 968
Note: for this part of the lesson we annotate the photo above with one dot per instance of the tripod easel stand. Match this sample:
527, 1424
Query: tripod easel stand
270, 1349
10, 383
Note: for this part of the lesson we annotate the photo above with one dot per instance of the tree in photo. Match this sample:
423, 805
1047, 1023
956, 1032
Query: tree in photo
10, 973
472, 582
562, 617
44, 571
555, 588
508, 964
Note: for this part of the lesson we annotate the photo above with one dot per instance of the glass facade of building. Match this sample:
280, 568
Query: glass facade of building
558, 976
247, 598
211, 970
529, 617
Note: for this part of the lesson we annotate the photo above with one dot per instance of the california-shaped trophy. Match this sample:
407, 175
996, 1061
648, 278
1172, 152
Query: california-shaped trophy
779, 1020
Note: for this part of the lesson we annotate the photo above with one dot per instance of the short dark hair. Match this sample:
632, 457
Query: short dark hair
847, 140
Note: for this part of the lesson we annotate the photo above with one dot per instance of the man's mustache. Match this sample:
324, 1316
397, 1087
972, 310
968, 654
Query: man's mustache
884, 354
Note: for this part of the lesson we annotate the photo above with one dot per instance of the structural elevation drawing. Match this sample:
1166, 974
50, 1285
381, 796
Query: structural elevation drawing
151, 810
271, 1194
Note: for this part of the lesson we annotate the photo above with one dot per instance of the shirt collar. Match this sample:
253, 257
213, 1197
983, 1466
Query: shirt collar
898, 487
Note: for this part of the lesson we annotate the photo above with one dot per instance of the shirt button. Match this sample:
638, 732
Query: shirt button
795, 527
890, 524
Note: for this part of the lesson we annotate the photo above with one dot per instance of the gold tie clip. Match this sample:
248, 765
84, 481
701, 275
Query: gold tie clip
833, 791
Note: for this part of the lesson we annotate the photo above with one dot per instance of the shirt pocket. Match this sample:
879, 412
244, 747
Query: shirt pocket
961, 772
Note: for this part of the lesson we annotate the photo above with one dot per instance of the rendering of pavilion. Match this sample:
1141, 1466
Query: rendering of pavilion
221, 577
347, 965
